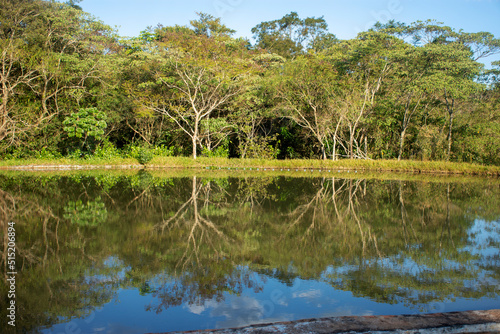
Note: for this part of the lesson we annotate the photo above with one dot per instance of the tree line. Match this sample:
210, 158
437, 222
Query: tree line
71, 86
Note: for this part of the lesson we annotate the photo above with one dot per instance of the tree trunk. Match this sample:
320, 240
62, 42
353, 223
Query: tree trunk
401, 144
195, 137
4, 113
351, 143
450, 129
194, 147
450, 104
335, 140
334, 153
366, 147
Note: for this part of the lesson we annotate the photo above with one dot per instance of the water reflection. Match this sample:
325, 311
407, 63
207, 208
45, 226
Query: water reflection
197, 252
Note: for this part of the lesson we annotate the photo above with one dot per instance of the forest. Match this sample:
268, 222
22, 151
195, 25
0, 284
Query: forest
72, 87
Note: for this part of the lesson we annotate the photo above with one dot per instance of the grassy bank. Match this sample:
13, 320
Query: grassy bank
162, 173
410, 166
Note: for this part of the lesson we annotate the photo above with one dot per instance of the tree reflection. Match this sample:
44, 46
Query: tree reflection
330, 222
207, 269
193, 240
420, 259
53, 278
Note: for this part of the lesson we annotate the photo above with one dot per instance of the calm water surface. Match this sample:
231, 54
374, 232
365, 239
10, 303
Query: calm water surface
113, 253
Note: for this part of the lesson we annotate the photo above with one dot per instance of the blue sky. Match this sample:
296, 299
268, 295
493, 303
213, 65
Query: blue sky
345, 18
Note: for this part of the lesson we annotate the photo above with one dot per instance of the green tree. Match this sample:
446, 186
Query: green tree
406, 88
451, 79
478, 128
252, 110
197, 77
137, 64
448, 66
18, 73
364, 65
210, 26
51, 55
309, 89
88, 124
291, 35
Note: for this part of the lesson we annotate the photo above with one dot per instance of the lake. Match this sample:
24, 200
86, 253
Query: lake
158, 251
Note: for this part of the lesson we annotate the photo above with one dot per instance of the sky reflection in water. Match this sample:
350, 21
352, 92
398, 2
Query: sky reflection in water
147, 253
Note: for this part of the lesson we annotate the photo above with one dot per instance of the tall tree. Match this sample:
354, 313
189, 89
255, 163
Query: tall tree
450, 61
48, 50
406, 88
17, 73
210, 26
451, 78
364, 64
252, 111
197, 77
308, 87
291, 35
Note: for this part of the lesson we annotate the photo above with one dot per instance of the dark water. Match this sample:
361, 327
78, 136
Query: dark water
114, 253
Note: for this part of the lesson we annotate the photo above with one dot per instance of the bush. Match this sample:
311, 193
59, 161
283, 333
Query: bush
87, 126
144, 156
75, 154
47, 154
219, 152
261, 148
132, 151
43, 154
163, 151
106, 151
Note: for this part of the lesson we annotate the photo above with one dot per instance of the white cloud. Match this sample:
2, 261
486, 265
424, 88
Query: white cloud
309, 294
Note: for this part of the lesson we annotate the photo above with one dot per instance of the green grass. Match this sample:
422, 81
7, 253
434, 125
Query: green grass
69, 161
411, 166
372, 165
203, 173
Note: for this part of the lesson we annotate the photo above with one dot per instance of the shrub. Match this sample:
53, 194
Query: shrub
219, 152
163, 151
106, 151
44, 153
144, 156
85, 128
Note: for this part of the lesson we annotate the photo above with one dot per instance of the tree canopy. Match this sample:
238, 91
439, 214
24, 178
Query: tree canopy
400, 90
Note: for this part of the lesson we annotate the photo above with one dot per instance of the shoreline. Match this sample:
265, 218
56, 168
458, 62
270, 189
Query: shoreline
432, 323
386, 166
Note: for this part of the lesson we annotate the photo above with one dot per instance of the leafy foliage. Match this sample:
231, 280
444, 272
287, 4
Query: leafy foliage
87, 126
144, 156
291, 35
88, 122
406, 91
